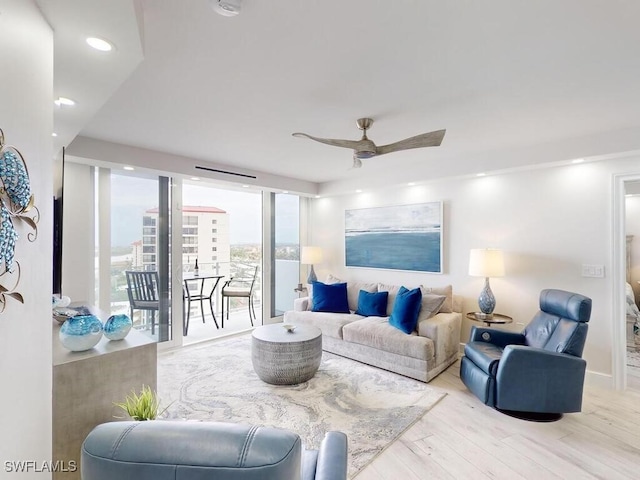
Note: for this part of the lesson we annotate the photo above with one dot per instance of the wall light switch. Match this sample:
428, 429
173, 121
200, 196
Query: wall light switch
593, 271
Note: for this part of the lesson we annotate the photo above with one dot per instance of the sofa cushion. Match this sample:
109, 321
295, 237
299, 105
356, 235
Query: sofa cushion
406, 309
330, 298
330, 324
447, 291
393, 292
372, 304
430, 305
353, 290
376, 332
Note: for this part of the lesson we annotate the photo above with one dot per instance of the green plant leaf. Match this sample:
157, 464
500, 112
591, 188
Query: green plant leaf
142, 406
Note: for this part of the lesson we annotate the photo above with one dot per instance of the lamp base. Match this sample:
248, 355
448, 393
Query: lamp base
312, 276
486, 300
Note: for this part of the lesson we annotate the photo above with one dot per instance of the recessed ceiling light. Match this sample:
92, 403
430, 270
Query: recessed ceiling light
411, 184
195, 179
577, 160
54, 134
64, 101
481, 174
317, 196
99, 44
128, 168
245, 186
285, 191
358, 191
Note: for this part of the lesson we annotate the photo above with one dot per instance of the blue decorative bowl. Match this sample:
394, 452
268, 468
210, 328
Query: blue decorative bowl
117, 327
81, 332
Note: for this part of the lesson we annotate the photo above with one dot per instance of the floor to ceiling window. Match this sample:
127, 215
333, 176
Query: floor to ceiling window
118, 231
116, 226
285, 251
222, 232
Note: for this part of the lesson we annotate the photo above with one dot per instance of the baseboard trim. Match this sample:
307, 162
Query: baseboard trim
599, 380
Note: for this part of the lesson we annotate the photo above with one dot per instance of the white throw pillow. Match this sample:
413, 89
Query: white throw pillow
393, 293
447, 291
431, 304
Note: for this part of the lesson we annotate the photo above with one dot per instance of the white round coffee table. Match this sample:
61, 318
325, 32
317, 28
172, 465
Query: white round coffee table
286, 358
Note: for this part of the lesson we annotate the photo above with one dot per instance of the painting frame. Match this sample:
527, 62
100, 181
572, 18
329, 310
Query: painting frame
396, 237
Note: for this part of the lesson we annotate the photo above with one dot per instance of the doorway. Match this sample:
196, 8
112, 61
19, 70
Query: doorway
632, 290
222, 236
626, 266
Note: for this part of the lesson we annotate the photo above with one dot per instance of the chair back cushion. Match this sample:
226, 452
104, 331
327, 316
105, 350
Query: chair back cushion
561, 324
164, 449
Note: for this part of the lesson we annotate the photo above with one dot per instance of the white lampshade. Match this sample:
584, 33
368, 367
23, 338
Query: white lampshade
486, 262
311, 255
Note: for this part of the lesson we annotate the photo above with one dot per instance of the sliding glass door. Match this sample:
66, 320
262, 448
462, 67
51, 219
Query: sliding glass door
222, 232
139, 242
285, 251
117, 224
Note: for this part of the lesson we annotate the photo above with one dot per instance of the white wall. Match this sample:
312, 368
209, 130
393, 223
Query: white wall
26, 117
549, 222
78, 245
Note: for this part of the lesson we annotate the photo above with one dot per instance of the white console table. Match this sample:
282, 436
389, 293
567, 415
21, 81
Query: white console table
85, 385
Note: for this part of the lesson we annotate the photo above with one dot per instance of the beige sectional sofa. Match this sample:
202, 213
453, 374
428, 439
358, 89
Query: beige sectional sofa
422, 355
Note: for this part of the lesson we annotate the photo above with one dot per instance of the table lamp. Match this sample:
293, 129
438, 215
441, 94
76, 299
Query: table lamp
310, 256
486, 262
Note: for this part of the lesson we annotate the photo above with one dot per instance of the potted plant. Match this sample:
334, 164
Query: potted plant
142, 406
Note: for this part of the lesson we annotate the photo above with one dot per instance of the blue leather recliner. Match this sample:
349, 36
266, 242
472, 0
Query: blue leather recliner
162, 450
538, 371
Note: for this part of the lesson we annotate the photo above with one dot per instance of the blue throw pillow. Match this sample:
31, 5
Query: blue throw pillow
330, 298
406, 309
372, 304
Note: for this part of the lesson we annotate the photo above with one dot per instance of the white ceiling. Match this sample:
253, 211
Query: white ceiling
514, 82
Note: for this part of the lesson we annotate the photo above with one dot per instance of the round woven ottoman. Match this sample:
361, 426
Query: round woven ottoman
286, 358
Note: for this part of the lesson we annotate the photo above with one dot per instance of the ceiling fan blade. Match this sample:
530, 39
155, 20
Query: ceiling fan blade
353, 144
431, 139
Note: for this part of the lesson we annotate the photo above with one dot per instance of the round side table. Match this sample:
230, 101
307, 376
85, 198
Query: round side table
286, 358
489, 319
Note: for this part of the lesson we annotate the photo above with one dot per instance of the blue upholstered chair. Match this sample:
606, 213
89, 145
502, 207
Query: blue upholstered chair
538, 373
163, 450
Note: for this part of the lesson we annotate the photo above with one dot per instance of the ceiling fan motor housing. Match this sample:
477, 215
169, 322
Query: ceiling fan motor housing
228, 8
364, 154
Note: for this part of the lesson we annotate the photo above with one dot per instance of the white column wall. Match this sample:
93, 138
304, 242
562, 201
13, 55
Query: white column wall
26, 117
548, 222
78, 231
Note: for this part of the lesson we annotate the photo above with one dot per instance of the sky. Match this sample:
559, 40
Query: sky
132, 196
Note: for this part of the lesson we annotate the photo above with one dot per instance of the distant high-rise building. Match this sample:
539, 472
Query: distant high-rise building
205, 237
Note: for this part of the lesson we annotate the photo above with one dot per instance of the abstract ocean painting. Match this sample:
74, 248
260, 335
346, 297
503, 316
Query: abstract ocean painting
402, 237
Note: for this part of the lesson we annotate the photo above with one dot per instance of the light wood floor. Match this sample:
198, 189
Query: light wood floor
460, 438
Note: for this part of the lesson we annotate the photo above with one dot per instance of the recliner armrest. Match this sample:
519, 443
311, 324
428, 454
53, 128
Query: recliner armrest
500, 338
332, 457
533, 379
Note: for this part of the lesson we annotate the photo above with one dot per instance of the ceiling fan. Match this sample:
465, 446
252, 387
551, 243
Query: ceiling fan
365, 148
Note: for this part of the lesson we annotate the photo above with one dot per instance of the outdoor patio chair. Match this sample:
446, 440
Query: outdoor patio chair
143, 293
240, 287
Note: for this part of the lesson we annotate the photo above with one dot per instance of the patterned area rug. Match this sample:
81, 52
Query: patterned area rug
216, 382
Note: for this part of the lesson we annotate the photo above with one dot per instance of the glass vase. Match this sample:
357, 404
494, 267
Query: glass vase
81, 332
117, 327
